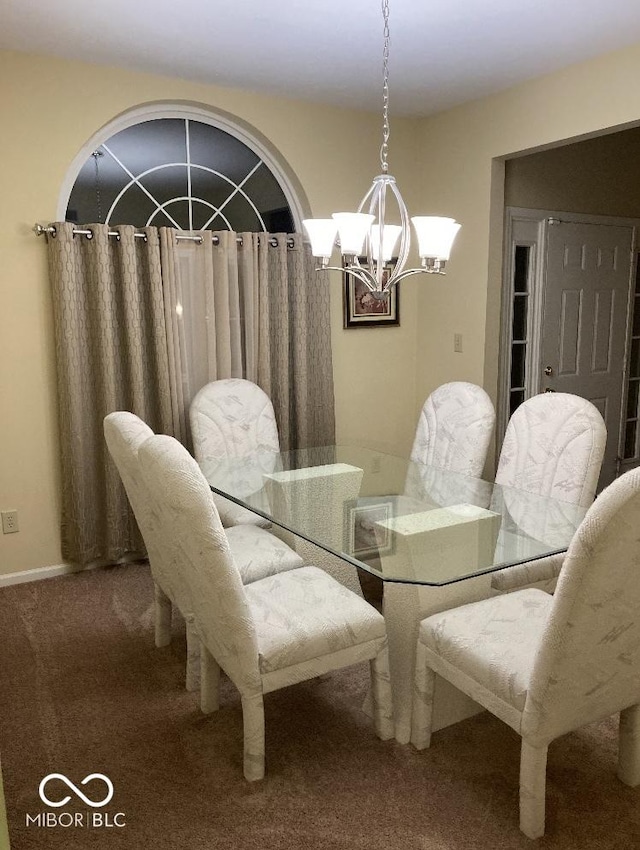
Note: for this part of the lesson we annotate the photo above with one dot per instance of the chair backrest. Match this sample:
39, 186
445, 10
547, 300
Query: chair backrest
124, 433
454, 428
553, 446
232, 418
190, 531
588, 662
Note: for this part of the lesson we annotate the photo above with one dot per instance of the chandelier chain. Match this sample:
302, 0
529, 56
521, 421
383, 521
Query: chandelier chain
384, 150
96, 155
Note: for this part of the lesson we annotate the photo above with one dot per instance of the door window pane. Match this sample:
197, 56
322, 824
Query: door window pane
520, 303
516, 398
636, 316
634, 364
518, 365
521, 268
630, 440
632, 400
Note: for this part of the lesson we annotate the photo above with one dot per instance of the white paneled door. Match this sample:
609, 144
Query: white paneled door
585, 317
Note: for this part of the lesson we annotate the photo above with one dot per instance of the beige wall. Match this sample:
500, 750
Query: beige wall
598, 176
445, 164
4, 829
50, 109
462, 173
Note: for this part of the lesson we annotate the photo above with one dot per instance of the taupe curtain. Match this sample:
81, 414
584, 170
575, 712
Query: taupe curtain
207, 306
251, 306
295, 366
111, 350
142, 324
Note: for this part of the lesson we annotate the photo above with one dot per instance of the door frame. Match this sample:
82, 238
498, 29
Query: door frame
529, 227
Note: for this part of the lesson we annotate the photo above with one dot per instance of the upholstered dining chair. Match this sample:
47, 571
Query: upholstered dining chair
452, 435
454, 429
234, 418
267, 635
256, 552
547, 665
553, 447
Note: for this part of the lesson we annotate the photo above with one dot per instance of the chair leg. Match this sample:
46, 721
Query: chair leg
162, 616
192, 678
629, 746
422, 713
209, 681
253, 722
533, 780
381, 693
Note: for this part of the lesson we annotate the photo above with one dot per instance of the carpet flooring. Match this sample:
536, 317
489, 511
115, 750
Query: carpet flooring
83, 690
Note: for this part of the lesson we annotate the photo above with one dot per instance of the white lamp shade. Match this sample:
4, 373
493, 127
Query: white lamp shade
322, 235
390, 235
352, 230
435, 235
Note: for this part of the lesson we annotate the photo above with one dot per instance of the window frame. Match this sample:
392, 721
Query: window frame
234, 126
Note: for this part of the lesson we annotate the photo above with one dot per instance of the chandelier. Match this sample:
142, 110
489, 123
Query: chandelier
367, 241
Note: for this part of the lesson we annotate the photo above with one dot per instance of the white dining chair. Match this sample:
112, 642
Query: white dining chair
547, 665
454, 429
234, 418
553, 447
256, 552
453, 433
267, 635
452, 436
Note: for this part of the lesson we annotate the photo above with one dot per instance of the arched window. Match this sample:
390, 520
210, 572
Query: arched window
180, 167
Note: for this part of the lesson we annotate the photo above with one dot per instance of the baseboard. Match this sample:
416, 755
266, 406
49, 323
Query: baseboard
39, 573
42, 572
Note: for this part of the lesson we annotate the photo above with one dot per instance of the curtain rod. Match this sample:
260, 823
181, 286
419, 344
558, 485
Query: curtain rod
41, 230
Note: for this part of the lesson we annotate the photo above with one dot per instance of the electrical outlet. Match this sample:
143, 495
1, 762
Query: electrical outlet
457, 343
375, 465
10, 522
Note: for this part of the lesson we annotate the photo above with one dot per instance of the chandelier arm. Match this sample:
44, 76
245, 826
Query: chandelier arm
394, 279
362, 274
376, 208
405, 235
372, 190
379, 264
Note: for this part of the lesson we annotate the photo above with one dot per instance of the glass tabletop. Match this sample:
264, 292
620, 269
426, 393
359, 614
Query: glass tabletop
399, 520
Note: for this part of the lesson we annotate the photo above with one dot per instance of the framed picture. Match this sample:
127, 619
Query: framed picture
362, 310
365, 537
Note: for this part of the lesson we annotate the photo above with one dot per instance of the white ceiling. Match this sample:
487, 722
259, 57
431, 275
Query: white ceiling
443, 52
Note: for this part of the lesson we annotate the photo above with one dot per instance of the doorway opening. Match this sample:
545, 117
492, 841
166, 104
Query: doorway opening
571, 320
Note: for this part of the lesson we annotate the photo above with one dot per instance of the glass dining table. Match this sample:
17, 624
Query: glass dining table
429, 536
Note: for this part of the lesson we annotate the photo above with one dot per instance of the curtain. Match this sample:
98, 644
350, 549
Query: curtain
204, 295
111, 354
295, 366
142, 324
251, 306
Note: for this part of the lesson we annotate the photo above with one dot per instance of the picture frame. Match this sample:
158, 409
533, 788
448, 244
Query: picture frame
362, 310
365, 538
